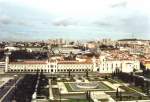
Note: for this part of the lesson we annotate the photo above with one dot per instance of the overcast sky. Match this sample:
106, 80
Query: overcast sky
74, 19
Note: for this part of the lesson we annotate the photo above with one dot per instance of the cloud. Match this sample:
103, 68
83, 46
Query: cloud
23, 23
120, 4
102, 23
5, 20
137, 23
64, 22
86, 17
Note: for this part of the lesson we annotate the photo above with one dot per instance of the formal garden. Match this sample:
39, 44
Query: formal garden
71, 88
117, 86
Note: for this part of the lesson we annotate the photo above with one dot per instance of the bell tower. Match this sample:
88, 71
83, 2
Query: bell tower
7, 54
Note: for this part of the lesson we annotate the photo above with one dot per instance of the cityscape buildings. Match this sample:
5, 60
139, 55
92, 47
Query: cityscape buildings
74, 51
80, 63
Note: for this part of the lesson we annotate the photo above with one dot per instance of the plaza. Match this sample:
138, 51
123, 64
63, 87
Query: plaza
100, 89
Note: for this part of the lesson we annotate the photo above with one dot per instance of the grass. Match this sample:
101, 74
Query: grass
71, 79
111, 81
54, 82
128, 95
127, 90
77, 100
136, 88
45, 92
65, 80
56, 92
68, 87
72, 100
62, 80
1, 82
118, 80
103, 100
110, 89
94, 79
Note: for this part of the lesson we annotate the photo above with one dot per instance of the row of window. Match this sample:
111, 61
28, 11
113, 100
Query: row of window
29, 66
73, 70
48, 70
107, 69
113, 65
31, 70
75, 65
62, 67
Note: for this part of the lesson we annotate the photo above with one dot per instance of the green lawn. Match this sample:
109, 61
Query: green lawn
94, 79
136, 88
65, 80
118, 80
68, 87
77, 100
128, 95
1, 82
128, 90
45, 92
103, 100
54, 82
56, 92
111, 81
101, 87
72, 100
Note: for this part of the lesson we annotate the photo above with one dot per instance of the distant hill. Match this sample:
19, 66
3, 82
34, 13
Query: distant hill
134, 39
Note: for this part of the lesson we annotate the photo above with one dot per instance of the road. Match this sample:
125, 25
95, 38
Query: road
8, 87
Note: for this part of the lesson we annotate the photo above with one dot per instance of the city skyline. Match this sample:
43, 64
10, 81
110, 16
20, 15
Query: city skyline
73, 19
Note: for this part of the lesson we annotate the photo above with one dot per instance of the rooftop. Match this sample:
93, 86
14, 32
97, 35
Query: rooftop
29, 62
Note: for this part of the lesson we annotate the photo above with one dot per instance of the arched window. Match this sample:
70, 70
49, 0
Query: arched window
52, 66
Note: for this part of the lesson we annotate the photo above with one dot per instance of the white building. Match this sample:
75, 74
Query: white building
101, 65
74, 66
27, 66
2, 67
50, 67
109, 66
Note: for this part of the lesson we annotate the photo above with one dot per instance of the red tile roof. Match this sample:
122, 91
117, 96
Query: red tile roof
74, 62
29, 62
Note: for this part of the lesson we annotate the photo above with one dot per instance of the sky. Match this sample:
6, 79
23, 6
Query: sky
74, 19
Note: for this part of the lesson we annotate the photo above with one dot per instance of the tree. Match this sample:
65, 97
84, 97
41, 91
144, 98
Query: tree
120, 96
117, 93
142, 66
113, 74
71, 43
147, 87
140, 97
69, 73
132, 78
88, 95
87, 73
